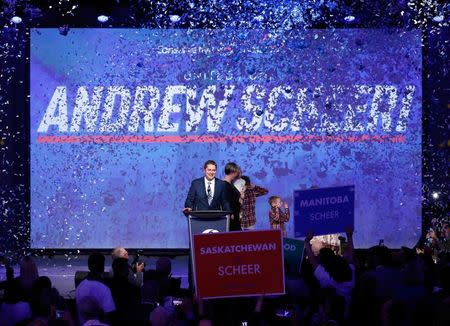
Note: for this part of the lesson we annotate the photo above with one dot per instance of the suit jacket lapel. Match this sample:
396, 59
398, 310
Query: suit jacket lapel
216, 189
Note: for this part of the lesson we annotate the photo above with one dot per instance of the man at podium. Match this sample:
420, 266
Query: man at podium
208, 192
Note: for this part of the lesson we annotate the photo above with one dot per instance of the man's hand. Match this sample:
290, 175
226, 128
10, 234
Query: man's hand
309, 237
187, 210
139, 267
349, 231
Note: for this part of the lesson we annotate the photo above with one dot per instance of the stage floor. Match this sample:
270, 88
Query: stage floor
61, 270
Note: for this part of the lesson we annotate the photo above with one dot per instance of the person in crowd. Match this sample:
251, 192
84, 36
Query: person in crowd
9, 273
167, 285
28, 275
92, 286
410, 292
232, 173
278, 217
332, 270
248, 211
385, 275
52, 308
441, 297
91, 311
126, 296
41, 288
160, 316
331, 308
14, 309
207, 192
136, 275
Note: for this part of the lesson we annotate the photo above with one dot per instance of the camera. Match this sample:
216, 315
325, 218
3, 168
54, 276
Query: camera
59, 314
136, 261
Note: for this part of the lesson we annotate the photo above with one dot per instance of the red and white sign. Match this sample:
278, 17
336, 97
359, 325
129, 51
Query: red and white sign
238, 264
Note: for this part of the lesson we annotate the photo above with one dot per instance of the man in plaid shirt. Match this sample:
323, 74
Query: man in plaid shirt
248, 215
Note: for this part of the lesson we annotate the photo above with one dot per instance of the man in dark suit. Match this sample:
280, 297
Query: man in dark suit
208, 192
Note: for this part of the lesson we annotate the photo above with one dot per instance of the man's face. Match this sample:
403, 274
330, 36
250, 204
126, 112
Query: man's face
210, 171
235, 176
124, 253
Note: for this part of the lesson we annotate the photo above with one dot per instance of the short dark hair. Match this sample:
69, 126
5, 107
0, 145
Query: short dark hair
209, 162
96, 262
246, 179
232, 167
120, 268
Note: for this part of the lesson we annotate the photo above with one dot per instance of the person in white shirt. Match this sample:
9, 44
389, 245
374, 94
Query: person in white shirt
332, 270
93, 287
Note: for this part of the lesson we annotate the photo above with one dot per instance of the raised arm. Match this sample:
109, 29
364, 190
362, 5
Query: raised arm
286, 213
348, 252
259, 191
309, 252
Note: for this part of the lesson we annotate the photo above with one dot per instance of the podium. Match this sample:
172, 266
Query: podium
208, 222
205, 222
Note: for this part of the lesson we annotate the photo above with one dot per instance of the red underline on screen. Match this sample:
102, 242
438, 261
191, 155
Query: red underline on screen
105, 139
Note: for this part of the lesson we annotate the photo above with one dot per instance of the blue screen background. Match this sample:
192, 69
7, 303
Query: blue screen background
101, 195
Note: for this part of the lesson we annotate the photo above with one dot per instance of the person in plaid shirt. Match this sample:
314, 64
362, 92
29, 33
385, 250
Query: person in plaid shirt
277, 217
250, 192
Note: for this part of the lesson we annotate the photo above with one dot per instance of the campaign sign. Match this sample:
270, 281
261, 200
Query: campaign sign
293, 255
323, 211
238, 264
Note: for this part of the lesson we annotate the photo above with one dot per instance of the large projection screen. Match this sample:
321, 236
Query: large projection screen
122, 120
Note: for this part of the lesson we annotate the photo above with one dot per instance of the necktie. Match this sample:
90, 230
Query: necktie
208, 191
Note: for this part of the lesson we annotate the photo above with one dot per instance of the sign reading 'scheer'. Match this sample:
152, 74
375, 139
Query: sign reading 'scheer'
323, 211
238, 264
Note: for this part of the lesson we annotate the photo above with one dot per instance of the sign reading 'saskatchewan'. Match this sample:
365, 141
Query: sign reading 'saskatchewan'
238, 264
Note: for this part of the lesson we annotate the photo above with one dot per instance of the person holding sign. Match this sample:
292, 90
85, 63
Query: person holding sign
277, 216
332, 270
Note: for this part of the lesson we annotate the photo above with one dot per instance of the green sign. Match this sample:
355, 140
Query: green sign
293, 255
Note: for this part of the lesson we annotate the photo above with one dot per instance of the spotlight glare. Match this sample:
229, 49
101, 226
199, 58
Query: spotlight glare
349, 18
435, 195
438, 19
16, 20
102, 18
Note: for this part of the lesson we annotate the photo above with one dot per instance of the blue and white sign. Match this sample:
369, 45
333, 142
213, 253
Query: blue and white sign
324, 211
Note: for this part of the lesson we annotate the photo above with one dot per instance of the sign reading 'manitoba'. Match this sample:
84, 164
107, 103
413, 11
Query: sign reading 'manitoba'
238, 264
324, 210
